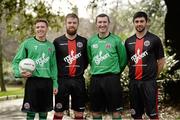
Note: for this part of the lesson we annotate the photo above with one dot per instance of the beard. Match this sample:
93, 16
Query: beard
71, 31
140, 29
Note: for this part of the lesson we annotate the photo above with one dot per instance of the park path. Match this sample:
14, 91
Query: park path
11, 110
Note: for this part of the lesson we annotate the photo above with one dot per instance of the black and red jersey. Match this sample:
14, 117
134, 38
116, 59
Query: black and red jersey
71, 56
143, 54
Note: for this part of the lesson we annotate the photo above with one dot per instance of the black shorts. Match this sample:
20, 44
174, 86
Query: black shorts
38, 95
74, 87
106, 93
143, 96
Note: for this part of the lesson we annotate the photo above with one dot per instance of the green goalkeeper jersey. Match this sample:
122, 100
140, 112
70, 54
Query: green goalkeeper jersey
107, 55
43, 53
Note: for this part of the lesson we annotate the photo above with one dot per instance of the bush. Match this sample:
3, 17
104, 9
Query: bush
171, 90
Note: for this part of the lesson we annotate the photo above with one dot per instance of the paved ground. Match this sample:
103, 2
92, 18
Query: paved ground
10, 110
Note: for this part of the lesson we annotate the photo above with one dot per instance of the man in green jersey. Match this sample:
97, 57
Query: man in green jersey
42, 83
107, 57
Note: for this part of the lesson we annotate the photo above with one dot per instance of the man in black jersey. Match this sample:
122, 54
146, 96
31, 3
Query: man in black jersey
72, 60
145, 60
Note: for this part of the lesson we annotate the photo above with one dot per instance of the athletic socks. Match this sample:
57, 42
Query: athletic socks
119, 118
30, 115
57, 117
97, 118
78, 118
42, 115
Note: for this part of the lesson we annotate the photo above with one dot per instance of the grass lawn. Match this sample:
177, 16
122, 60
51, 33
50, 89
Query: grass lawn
12, 90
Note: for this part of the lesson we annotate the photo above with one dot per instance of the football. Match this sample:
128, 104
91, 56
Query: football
27, 64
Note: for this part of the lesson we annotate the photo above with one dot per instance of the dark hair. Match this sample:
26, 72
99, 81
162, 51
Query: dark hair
140, 14
103, 15
72, 15
42, 20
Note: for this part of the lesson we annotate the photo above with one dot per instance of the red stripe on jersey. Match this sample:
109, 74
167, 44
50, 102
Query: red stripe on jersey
138, 52
72, 53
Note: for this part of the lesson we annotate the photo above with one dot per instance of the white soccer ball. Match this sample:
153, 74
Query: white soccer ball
27, 64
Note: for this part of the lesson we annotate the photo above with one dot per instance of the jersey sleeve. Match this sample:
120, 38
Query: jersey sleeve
54, 73
21, 54
126, 46
159, 51
89, 51
86, 54
121, 50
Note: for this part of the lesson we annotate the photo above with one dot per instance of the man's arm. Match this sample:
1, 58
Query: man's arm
160, 62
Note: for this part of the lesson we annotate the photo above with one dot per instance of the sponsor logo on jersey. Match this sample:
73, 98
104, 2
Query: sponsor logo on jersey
137, 56
95, 45
146, 43
70, 58
42, 60
131, 43
63, 44
120, 108
153, 114
81, 108
79, 44
99, 57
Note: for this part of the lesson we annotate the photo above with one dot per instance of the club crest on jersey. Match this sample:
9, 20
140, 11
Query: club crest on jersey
50, 49
79, 44
108, 45
146, 43
95, 45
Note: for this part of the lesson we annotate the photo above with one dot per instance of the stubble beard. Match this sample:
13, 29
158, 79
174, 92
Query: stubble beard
140, 30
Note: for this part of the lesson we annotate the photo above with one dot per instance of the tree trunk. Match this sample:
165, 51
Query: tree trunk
3, 88
2, 83
172, 31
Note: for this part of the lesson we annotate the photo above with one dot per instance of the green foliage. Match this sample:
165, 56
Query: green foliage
170, 89
170, 82
125, 79
170, 62
21, 24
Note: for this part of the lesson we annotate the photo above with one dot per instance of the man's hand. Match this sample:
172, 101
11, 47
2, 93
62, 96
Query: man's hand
55, 91
26, 74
